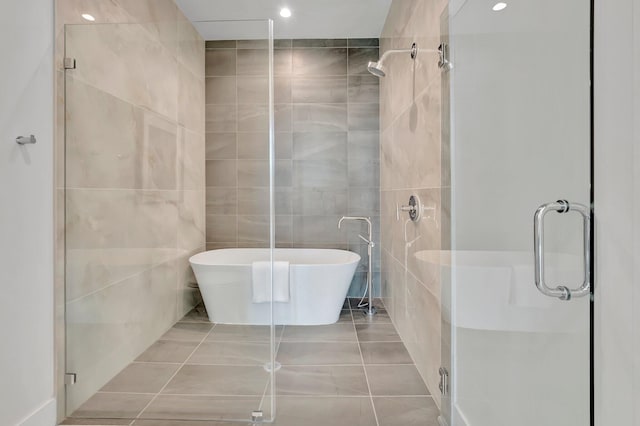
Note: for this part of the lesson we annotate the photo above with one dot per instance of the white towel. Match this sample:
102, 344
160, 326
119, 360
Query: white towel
262, 279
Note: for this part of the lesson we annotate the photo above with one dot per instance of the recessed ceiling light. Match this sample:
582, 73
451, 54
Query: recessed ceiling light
88, 17
285, 12
499, 6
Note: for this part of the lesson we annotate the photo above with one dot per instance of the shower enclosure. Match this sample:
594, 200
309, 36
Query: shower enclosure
519, 101
138, 342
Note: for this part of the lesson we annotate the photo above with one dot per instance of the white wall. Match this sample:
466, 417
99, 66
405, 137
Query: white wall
617, 210
26, 215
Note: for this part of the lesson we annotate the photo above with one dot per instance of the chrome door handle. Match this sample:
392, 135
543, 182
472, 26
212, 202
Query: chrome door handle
562, 206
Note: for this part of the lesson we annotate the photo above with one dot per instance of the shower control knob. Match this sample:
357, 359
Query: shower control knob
414, 208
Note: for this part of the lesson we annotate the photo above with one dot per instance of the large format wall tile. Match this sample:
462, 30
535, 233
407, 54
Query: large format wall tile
121, 219
282, 88
220, 62
222, 201
363, 89
221, 90
222, 173
253, 90
125, 61
410, 157
319, 62
91, 269
191, 220
359, 59
220, 118
190, 46
317, 229
256, 62
131, 144
221, 146
319, 89
113, 144
416, 148
253, 230
159, 18
364, 145
327, 165
191, 100
320, 146
191, 164
103, 139
320, 174
253, 146
253, 118
364, 117
320, 201
320, 117
252, 62
364, 201
320, 42
253, 173
222, 228
109, 328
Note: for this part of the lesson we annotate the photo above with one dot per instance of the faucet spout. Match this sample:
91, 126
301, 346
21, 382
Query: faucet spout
365, 219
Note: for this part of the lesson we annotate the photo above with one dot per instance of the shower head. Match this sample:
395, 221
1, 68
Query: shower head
377, 69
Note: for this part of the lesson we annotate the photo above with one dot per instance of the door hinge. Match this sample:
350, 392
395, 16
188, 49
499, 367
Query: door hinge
257, 418
444, 381
69, 63
70, 379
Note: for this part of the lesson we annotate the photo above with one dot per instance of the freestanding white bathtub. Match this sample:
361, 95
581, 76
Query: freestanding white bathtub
319, 281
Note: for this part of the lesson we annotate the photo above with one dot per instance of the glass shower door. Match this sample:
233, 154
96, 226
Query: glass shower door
520, 138
139, 344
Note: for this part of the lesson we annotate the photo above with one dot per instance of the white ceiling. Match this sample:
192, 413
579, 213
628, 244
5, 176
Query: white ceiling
310, 19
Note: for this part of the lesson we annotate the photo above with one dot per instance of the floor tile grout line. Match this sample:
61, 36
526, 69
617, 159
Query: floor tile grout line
404, 396
346, 342
174, 374
364, 395
260, 364
322, 365
366, 376
125, 393
347, 365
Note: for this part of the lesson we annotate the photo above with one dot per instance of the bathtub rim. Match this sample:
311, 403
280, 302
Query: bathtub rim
353, 256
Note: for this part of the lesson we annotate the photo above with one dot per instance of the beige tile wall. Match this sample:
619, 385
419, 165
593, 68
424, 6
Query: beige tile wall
130, 181
327, 144
410, 109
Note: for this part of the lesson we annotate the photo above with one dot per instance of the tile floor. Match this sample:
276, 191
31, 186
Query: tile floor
356, 372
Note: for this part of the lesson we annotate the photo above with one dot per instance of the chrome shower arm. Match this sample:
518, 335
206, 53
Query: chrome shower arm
393, 52
378, 68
